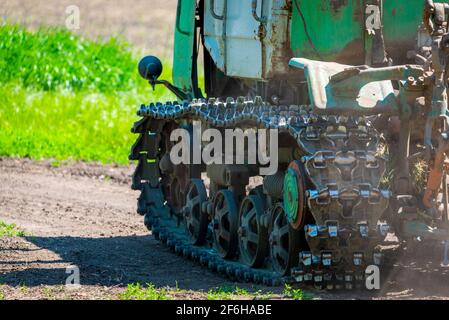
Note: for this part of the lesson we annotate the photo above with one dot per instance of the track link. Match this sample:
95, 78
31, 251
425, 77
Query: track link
343, 198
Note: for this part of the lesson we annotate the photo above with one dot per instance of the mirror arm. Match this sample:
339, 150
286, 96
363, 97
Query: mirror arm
176, 91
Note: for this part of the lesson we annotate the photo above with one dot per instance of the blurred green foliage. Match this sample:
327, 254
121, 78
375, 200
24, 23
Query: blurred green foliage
52, 59
65, 97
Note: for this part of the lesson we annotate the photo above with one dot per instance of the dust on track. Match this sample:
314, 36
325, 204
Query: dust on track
84, 215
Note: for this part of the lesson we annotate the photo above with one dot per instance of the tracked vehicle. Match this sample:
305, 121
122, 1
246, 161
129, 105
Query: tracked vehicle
355, 91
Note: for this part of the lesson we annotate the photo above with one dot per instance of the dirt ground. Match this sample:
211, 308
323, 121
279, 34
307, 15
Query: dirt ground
84, 215
147, 24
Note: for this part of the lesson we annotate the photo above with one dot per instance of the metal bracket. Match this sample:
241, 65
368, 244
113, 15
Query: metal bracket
176, 91
212, 10
262, 19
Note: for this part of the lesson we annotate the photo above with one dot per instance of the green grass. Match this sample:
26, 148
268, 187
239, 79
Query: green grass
227, 293
139, 292
10, 230
23, 288
296, 294
64, 97
419, 171
67, 125
54, 58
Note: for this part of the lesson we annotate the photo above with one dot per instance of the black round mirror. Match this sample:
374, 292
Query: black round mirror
150, 68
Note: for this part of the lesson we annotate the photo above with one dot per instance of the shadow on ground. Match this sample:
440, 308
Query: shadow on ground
115, 261
118, 261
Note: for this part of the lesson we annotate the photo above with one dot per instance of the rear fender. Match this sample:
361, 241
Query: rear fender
342, 89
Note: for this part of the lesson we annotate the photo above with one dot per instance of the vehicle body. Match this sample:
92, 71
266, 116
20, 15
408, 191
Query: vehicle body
330, 77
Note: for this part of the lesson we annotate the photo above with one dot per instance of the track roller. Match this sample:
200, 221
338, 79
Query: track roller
196, 220
253, 236
225, 224
284, 241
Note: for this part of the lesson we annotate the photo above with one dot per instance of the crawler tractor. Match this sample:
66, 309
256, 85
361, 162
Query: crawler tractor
356, 91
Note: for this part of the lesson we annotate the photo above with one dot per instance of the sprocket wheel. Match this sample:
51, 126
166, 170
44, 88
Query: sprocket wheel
225, 224
295, 195
253, 236
196, 220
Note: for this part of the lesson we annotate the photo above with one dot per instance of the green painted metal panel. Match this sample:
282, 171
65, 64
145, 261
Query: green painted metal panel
183, 50
334, 27
337, 28
401, 19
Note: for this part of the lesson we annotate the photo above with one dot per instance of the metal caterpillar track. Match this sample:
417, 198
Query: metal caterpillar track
342, 203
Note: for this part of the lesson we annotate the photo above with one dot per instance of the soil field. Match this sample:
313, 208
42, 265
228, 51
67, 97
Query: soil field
84, 215
78, 214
